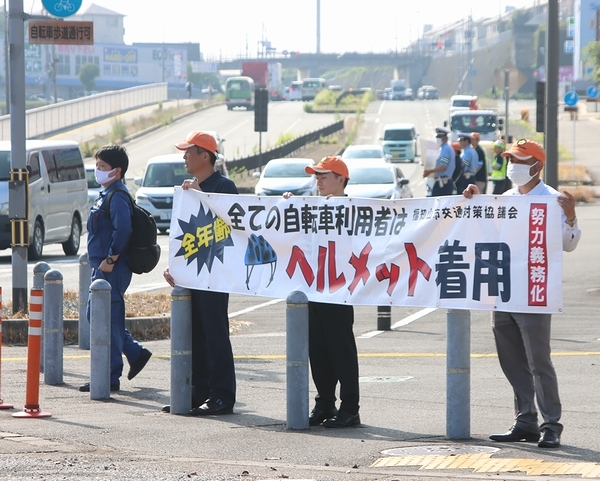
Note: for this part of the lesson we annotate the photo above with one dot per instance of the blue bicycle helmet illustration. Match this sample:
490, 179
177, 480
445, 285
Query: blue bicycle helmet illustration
258, 253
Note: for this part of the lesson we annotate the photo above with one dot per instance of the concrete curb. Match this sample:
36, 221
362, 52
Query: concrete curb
14, 331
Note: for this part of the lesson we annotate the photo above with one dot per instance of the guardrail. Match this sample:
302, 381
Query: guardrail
258, 160
56, 117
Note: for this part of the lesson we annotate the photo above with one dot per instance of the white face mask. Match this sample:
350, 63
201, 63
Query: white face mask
104, 176
519, 173
438, 141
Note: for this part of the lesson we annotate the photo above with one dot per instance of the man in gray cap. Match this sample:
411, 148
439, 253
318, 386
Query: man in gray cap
444, 165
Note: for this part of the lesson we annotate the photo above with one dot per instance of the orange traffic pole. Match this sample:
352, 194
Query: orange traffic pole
3, 405
34, 352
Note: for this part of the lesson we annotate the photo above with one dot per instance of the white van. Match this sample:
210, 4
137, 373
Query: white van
311, 88
58, 198
399, 142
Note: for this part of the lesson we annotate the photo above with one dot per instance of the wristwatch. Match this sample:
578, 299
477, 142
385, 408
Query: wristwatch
110, 261
571, 223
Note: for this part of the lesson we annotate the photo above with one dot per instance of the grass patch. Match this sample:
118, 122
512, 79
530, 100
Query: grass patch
581, 193
141, 304
330, 139
118, 132
284, 138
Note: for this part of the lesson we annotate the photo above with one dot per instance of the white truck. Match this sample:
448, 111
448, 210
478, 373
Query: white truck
485, 122
398, 88
275, 81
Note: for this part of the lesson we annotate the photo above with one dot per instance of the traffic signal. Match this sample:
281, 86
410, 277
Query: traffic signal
261, 104
540, 106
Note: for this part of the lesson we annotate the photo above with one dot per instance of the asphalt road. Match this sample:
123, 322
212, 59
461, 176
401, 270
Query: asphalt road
403, 397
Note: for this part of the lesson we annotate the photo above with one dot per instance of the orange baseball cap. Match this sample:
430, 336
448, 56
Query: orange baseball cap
332, 163
199, 139
524, 148
456, 146
475, 135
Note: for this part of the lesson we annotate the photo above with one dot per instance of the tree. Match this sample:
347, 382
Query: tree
87, 75
591, 54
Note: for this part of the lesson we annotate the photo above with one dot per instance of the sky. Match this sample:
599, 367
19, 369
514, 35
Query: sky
234, 28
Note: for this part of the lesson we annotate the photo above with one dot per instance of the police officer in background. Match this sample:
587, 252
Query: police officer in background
470, 161
444, 165
481, 178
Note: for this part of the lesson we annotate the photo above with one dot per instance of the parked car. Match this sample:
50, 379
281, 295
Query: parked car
378, 180
93, 187
58, 197
364, 152
286, 175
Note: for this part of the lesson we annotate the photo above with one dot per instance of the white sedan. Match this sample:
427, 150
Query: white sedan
377, 180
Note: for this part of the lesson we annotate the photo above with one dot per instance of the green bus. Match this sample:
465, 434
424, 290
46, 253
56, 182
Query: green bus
239, 92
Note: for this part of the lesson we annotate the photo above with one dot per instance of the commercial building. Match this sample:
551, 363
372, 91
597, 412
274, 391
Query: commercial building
121, 65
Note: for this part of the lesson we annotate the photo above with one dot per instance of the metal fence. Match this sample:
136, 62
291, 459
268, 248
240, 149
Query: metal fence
258, 160
56, 117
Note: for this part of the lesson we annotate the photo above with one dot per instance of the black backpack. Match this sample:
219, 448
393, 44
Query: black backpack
458, 168
143, 250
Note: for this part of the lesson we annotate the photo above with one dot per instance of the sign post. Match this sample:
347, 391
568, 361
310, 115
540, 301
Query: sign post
571, 99
592, 94
62, 8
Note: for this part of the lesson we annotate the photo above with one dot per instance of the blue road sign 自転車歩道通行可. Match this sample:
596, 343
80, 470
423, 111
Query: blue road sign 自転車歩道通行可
62, 8
592, 92
571, 98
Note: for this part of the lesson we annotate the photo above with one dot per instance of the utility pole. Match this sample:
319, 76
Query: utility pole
6, 60
469, 34
551, 137
17, 191
318, 26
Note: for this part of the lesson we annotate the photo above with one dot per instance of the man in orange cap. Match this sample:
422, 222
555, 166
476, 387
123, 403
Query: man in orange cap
331, 344
523, 339
213, 372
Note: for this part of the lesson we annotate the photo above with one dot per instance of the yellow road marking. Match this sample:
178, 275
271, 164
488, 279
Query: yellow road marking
365, 355
484, 463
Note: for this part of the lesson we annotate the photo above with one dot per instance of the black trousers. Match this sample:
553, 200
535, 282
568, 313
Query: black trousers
213, 371
333, 355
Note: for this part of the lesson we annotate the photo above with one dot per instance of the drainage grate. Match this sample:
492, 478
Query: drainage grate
384, 378
439, 450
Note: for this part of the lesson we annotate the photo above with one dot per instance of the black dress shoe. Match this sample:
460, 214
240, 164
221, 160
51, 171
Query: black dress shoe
342, 420
516, 434
138, 365
318, 415
549, 439
212, 407
166, 408
113, 387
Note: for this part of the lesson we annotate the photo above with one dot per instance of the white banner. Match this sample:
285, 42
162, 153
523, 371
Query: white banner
486, 253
